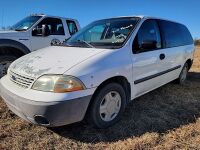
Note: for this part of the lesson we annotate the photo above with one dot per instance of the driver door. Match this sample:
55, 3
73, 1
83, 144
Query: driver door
56, 29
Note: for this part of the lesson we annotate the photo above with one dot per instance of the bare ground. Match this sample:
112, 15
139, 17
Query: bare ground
166, 118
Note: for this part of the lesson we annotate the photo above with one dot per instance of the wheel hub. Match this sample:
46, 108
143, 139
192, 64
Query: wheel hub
110, 106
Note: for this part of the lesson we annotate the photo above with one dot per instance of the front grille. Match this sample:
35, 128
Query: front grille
20, 80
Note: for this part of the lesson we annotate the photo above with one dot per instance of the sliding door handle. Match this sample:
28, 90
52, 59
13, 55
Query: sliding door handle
162, 56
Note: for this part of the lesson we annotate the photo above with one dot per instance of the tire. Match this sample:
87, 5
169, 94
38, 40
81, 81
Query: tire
107, 106
5, 62
183, 75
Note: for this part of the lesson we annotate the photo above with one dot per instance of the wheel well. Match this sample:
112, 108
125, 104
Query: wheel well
120, 80
6, 50
189, 62
117, 79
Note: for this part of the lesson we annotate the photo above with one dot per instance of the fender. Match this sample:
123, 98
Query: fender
14, 44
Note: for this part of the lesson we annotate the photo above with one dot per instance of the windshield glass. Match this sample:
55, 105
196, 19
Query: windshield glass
107, 33
26, 23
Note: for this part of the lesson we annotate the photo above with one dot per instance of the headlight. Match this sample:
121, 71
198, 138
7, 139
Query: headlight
58, 84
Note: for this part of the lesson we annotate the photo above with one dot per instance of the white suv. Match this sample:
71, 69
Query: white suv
32, 33
98, 72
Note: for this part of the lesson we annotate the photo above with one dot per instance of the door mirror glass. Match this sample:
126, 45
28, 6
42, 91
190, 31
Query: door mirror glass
43, 31
36, 32
149, 44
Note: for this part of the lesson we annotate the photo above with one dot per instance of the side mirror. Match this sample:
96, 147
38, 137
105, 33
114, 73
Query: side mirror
148, 45
44, 31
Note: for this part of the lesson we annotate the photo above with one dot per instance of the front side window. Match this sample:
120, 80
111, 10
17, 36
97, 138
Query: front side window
108, 33
72, 27
26, 23
148, 37
55, 26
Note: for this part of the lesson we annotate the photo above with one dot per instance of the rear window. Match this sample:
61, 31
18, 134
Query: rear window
72, 27
175, 34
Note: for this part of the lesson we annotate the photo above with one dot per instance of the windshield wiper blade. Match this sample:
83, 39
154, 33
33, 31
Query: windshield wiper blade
20, 29
90, 45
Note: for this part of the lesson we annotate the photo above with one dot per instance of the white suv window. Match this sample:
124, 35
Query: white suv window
55, 26
72, 27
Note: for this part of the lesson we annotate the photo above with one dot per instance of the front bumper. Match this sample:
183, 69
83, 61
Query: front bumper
57, 113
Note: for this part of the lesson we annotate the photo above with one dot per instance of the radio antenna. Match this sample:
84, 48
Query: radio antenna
2, 19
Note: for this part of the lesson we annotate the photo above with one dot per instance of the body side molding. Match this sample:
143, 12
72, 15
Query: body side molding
156, 75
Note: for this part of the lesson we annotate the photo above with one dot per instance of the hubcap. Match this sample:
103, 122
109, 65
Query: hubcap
3, 67
110, 106
184, 74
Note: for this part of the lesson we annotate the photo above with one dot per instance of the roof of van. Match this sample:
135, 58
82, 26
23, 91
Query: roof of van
142, 17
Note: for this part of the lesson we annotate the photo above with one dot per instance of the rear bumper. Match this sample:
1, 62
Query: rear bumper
57, 113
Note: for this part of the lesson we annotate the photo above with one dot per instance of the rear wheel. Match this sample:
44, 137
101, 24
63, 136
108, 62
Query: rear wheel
183, 75
5, 62
107, 106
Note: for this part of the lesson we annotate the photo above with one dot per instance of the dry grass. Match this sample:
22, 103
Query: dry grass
166, 118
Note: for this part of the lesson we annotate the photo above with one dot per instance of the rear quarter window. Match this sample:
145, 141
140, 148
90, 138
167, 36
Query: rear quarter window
72, 27
175, 34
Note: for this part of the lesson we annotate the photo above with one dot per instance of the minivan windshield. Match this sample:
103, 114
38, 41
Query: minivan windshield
25, 23
107, 33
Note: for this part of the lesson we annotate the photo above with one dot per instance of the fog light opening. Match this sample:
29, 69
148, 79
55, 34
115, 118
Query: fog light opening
41, 120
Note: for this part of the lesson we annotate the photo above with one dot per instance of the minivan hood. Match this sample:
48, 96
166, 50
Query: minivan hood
52, 60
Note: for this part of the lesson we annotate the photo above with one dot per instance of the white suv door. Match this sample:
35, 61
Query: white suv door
57, 34
148, 58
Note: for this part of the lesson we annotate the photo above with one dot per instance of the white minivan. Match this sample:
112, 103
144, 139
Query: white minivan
98, 71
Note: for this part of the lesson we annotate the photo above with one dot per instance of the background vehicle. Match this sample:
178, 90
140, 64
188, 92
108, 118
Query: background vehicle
100, 70
32, 33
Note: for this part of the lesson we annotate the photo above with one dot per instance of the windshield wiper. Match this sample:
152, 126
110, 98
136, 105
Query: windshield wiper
82, 41
20, 29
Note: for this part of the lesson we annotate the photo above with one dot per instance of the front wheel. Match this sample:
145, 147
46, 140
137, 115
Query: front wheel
5, 62
107, 106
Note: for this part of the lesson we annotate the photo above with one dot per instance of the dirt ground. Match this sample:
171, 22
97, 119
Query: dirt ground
166, 118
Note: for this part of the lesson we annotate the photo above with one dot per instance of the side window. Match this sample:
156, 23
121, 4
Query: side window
187, 37
72, 27
175, 34
147, 38
55, 26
